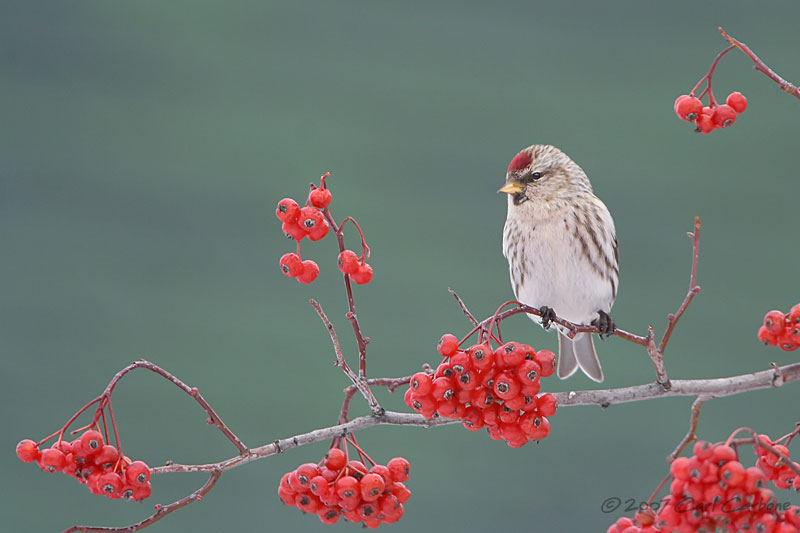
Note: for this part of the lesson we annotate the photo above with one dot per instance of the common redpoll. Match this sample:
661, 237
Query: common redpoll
561, 247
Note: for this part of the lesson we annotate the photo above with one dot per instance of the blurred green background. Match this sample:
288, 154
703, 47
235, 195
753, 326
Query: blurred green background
145, 145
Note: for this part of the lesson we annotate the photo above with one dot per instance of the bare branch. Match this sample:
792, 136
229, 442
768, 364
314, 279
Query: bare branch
693, 287
760, 66
691, 434
463, 307
214, 418
358, 381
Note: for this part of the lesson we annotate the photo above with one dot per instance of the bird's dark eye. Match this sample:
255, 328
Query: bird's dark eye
536, 175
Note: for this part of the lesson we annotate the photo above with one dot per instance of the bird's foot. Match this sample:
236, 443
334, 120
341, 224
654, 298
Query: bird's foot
548, 315
604, 323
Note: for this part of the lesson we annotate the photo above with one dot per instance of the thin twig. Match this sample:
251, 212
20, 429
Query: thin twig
693, 287
358, 381
691, 434
760, 66
191, 391
463, 307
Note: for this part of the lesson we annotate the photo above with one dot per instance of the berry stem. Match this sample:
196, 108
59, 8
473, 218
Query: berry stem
359, 450
114, 427
105, 425
351, 314
712, 101
69, 422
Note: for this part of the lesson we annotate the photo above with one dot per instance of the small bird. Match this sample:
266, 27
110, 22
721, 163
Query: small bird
561, 247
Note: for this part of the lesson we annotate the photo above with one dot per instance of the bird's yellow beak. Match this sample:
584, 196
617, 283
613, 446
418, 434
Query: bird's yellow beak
511, 187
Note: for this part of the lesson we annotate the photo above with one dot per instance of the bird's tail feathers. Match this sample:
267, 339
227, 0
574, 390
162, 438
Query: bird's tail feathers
578, 353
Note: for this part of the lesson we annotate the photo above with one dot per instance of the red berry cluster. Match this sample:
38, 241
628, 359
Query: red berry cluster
355, 267
775, 468
781, 329
713, 491
713, 116
93, 463
309, 221
301, 222
338, 487
498, 389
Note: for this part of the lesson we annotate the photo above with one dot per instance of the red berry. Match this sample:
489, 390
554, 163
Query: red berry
468, 381
348, 262
448, 345
287, 210
305, 473
310, 218
107, 456
92, 441
401, 492
357, 469
291, 265
335, 459
721, 454
421, 383
309, 273
680, 468
754, 479
319, 231
449, 408
546, 404
363, 275
510, 354
372, 486
137, 473
703, 450
767, 337
111, 485
541, 430
481, 356
320, 198
27, 451
51, 460
294, 231
737, 101
308, 503
329, 515
424, 405
794, 314
347, 487
547, 362
704, 123
506, 386
528, 372
732, 474
688, 107
399, 469
787, 341
723, 116
460, 362
472, 419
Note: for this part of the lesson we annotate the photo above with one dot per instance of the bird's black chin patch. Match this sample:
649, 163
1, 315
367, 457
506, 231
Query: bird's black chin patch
519, 198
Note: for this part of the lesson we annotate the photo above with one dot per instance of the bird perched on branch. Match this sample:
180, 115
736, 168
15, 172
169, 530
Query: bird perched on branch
561, 247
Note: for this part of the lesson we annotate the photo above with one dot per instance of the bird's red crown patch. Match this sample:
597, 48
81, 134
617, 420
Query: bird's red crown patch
520, 161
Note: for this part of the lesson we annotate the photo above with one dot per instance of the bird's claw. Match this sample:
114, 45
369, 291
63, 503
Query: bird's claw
604, 323
548, 315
